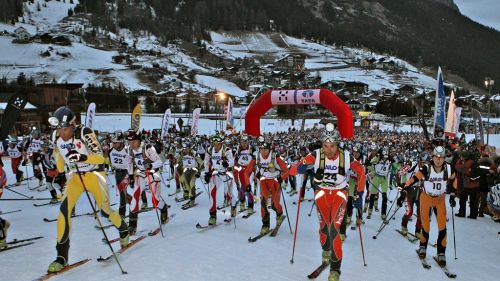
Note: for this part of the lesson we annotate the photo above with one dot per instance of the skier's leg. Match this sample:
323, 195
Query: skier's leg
264, 194
213, 197
276, 198
134, 204
440, 204
425, 210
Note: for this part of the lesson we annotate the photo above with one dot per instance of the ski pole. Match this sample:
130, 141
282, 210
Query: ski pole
385, 224
153, 193
98, 219
454, 241
286, 210
25, 196
296, 226
312, 207
361, 236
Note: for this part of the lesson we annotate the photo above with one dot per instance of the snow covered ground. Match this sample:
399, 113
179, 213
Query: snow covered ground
186, 253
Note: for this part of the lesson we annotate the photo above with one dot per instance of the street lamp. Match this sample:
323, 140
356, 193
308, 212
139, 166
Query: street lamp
221, 96
488, 83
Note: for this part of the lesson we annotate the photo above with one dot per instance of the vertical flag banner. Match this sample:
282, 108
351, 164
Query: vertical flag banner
458, 114
451, 118
13, 110
165, 123
89, 118
478, 126
196, 119
136, 118
439, 107
229, 115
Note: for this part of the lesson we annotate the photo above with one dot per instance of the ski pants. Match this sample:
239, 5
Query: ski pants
188, 180
242, 179
411, 200
15, 163
270, 186
122, 182
331, 209
220, 179
427, 203
95, 183
379, 184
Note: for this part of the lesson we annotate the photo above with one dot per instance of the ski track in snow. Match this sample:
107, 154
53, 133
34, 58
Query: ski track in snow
223, 253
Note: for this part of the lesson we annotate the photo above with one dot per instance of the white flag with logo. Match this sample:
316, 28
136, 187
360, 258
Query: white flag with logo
89, 118
165, 123
196, 119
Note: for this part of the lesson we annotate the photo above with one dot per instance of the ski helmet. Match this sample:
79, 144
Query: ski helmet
117, 136
63, 117
134, 135
330, 134
439, 151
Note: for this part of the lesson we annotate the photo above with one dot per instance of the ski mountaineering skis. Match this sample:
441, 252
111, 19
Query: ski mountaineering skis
445, 269
122, 250
65, 269
317, 271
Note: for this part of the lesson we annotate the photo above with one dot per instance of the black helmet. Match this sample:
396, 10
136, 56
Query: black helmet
134, 135
63, 117
117, 136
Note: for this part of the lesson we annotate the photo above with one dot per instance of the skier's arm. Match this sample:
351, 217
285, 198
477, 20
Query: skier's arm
153, 156
417, 177
359, 170
283, 167
229, 157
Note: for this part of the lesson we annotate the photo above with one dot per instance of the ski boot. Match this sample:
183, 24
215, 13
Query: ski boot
369, 216
5, 225
242, 206
334, 276
164, 214
144, 205
404, 230
212, 220
62, 258
422, 252
325, 257
250, 211
342, 237
441, 260
190, 204
264, 230
185, 195
233, 211
376, 209
56, 266
384, 217
124, 241
417, 234
279, 219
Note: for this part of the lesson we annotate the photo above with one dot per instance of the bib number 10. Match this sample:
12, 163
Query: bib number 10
436, 186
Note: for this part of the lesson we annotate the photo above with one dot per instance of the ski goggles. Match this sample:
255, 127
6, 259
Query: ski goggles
56, 124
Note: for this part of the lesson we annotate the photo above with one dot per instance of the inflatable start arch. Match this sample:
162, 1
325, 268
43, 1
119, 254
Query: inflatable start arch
345, 122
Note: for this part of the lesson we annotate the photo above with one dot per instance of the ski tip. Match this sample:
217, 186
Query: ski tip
374, 237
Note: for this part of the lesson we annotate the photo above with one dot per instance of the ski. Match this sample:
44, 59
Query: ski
317, 271
9, 212
408, 236
424, 262
75, 216
176, 192
204, 227
16, 241
248, 215
122, 250
16, 246
45, 204
185, 199
187, 207
66, 268
277, 228
253, 239
445, 269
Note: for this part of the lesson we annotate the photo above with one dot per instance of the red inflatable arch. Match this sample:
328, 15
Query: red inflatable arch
345, 122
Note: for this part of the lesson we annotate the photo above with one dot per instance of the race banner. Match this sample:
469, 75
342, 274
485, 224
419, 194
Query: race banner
229, 115
89, 118
135, 123
196, 119
12, 112
165, 123
439, 107
478, 126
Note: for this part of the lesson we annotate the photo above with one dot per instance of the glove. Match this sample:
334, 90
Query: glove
358, 200
318, 176
23, 163
148, 166
302, 169
198, 175
452, 201
280, 180
131, 180
73, 156
401, 198
258, 175
207, 177
140, 173
401, 186
225, 164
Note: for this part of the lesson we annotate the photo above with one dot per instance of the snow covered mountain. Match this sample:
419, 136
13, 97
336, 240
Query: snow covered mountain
138, 60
